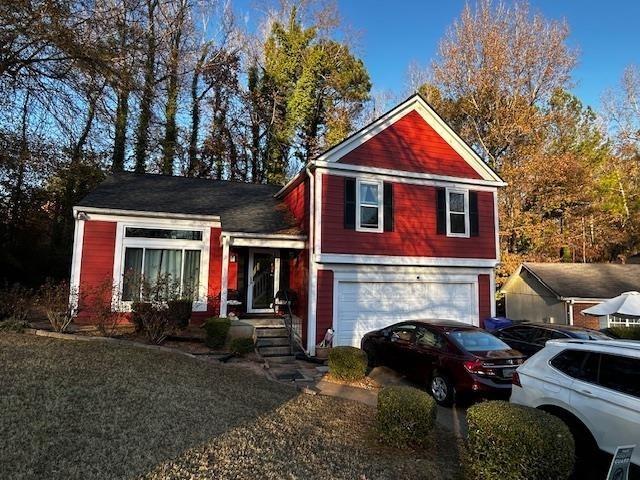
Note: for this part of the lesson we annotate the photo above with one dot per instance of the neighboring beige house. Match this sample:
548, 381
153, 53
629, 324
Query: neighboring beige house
558, 292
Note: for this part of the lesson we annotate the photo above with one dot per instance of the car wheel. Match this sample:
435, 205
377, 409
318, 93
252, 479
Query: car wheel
442, 390
371, 355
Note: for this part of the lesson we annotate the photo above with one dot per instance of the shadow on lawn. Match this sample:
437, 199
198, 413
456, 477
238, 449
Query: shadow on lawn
90, 410
79, 410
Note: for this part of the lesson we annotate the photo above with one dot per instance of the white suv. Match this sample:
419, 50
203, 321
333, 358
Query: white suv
594, 386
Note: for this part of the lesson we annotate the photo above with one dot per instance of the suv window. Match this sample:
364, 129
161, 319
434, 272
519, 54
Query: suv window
620, 373
578, 364
427, 338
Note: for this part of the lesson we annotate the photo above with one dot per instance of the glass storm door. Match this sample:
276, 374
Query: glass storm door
264, 268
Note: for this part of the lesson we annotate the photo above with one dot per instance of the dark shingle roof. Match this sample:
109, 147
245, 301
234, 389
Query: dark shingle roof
586, 280
242, 207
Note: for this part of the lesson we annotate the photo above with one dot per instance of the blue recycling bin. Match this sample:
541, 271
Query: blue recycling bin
495, 323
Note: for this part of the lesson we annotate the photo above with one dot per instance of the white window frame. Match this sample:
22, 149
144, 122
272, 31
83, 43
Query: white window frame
123, 242
380, 185
467, 226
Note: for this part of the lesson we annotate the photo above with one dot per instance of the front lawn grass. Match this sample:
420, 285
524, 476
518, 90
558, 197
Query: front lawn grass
80, 410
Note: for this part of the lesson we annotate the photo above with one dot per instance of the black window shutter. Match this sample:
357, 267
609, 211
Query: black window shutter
388, 207
473, 214
350, 203
441, 211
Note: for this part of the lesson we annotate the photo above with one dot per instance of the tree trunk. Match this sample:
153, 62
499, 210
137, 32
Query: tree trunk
119, 145
76, 155
173, 87
195, 114
23, 156
144, 119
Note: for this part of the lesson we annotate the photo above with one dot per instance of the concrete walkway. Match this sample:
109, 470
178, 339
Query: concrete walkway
453, 419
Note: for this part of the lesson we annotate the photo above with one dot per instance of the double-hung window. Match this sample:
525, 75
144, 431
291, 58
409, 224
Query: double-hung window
457, 213
159, 264
369, 211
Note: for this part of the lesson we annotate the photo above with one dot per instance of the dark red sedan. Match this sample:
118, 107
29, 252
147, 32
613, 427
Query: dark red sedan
452, 359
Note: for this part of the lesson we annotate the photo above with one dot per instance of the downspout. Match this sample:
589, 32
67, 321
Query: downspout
570, 307
311, 307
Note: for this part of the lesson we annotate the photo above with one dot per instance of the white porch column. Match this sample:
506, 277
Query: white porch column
225, 276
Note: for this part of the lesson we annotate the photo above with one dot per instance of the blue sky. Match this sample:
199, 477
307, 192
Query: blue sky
392, 34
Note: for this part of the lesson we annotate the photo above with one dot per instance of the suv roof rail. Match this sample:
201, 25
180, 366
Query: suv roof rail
618, 343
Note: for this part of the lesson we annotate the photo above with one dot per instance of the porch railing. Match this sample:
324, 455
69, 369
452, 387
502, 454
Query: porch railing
293, 325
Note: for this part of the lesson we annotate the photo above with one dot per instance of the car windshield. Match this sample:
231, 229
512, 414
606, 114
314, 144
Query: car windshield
477, 341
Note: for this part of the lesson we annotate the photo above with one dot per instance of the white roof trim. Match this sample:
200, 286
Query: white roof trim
273, 236
414, 103
144, 214
402, 174
396, 260
265, 240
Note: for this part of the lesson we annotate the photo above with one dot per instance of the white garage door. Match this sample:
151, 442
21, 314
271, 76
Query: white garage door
366, 306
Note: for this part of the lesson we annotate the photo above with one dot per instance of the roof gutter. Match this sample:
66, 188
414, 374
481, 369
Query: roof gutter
582, 299
78, 210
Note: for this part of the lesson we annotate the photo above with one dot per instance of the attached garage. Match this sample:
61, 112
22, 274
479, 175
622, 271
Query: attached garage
362, 306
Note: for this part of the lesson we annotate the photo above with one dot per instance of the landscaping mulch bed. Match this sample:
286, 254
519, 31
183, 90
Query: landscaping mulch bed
78, 410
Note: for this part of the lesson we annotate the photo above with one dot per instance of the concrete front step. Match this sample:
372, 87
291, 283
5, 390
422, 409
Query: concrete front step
264, 322
281, 359
274, 351
272, 342
263, 332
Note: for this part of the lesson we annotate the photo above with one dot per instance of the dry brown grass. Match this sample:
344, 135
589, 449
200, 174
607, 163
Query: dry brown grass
79, 410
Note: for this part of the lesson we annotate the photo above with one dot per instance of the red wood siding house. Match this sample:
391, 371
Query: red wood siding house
396, 222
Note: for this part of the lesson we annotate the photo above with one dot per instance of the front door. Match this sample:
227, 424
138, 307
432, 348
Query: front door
264, 273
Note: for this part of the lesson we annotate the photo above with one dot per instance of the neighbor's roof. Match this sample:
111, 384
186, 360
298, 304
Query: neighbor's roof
585, 280
242, 207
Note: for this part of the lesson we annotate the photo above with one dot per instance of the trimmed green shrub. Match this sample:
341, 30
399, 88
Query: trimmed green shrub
513, 442
241, 345
405, 416
217, 330
180, 312
347, 363
626, 333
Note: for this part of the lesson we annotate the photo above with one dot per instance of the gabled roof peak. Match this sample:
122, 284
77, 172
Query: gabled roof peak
417, 103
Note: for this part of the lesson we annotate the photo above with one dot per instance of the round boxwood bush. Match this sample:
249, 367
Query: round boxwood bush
217, 330
513, 442
241, 345
405, 416
347, 363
